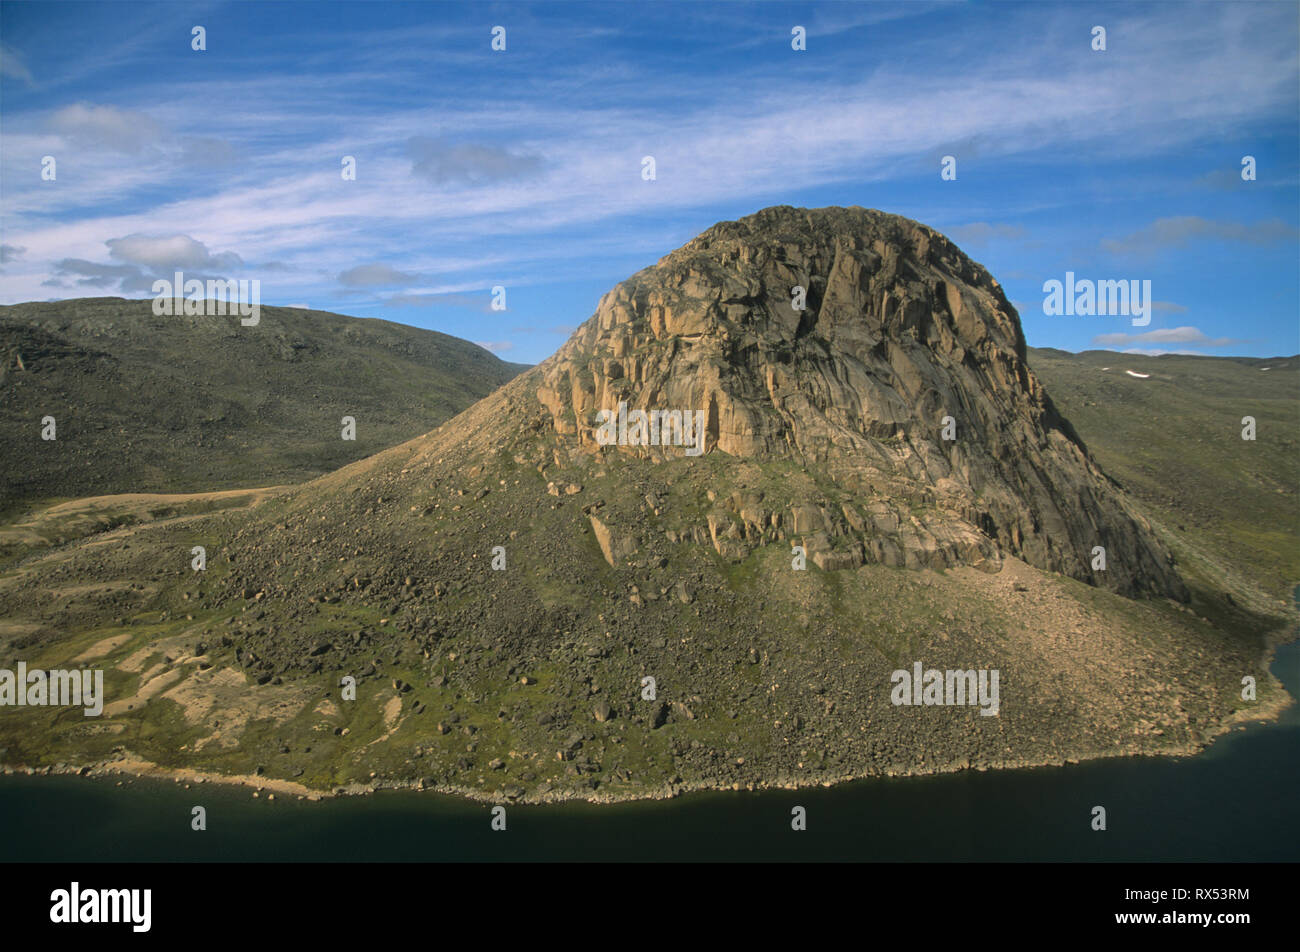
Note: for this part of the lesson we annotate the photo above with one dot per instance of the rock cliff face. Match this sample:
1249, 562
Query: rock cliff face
902, 377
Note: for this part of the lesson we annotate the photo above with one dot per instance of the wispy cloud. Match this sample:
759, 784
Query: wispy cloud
375, 276
562, 329
482, 303
88, 126
12, 65
466, 163
207, 152
1181, 231
1165, 335
1222, 180
79, 273
981, 233
524, 168
582, 166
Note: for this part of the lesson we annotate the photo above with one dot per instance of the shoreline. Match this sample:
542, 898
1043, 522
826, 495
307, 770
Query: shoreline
136, 767
132, 766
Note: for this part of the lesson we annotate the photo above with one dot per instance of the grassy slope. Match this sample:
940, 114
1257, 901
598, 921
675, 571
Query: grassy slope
1229, 506
168, 404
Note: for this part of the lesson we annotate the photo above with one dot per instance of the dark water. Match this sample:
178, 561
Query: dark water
1235, 802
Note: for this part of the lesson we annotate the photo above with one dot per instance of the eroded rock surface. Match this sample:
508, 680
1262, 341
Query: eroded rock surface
899, 331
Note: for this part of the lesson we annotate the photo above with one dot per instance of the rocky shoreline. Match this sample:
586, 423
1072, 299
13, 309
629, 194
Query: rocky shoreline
1270, 710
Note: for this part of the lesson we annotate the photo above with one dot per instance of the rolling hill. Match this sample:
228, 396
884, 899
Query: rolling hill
144, 403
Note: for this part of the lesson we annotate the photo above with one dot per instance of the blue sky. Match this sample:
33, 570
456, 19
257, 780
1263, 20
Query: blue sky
522, 168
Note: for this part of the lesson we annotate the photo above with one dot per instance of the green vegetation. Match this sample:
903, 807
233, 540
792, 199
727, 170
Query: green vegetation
182, 404
1228, 506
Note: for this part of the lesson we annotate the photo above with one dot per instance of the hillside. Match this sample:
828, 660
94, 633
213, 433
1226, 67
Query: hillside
1173, 440
173, 404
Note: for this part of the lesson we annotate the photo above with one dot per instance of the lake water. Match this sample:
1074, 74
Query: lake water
1234, 802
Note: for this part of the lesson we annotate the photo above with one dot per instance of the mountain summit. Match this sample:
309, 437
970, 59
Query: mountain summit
870, 347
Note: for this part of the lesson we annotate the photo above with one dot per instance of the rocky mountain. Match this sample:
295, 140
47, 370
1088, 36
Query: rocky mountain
146, 403
896, 331
552, 596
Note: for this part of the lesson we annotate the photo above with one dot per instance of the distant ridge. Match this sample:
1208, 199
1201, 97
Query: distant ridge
162, 404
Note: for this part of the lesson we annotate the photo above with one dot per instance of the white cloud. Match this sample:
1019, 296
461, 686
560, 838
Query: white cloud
169, 252
105, 127
281, 198
1164, 335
